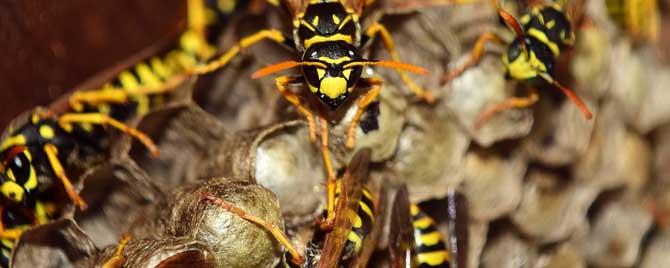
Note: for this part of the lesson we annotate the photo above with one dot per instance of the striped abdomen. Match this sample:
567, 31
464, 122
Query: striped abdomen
429, 242
152, 73
361, 225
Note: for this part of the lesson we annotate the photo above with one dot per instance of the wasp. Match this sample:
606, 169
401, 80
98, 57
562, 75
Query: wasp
354, 223
328, 38
414, 236
135, 90
39, 149
530, 57
640, 18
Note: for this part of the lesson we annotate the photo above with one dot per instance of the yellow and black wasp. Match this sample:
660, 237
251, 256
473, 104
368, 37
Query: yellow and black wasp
530, 57
39, 149
328, 37
640, 18
414, 236
134, 91
353, 227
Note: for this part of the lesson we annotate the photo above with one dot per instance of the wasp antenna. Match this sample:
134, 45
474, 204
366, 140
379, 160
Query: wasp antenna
570, 94
284, 65
390, 64
509, 20
274, 68
402, 66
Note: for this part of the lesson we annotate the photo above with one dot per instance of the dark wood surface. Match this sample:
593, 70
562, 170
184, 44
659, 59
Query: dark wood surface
48, 47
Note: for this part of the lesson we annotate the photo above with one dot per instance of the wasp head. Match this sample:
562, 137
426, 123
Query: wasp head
332, 77
18, 178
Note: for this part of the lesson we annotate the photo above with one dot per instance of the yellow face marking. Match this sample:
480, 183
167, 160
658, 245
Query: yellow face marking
306, 24
47, 132
13, 141
31, 182
333, 87
524, 67
321, 73
12, 191
335, 37
354, 238
434, 258
313, 88
344, 22
336, 19
334, 61
346, 73
430, 238
315, 21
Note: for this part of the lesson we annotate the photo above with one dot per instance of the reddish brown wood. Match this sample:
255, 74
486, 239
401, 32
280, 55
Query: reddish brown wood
48, 47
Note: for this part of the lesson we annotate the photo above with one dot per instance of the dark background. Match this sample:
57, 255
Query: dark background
48, 47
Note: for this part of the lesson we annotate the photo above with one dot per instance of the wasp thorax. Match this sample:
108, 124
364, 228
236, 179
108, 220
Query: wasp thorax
332, 77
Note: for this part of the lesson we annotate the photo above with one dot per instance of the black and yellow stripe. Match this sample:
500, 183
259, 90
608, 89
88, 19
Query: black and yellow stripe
13, 222
43, 147
429, 243
361, 226
194, 46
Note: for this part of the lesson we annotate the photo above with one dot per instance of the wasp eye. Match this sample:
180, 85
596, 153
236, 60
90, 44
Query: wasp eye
20, 167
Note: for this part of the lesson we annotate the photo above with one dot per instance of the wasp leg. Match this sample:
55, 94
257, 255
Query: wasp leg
93, 97
97, 118
291, 97
52, 155
331, 181
511, 103
117, 258
377, 28
475, 55
363, 103
273, 229
248, 41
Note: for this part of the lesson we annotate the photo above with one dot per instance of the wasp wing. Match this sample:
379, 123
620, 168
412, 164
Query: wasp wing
457, 212
346, 209
401, 233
